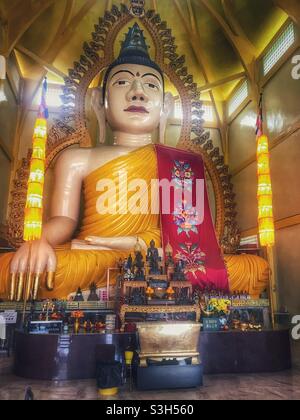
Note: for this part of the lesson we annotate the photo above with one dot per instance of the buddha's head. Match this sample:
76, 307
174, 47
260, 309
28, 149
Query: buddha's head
133, 91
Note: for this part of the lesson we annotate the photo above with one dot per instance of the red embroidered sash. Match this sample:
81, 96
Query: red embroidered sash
188, 226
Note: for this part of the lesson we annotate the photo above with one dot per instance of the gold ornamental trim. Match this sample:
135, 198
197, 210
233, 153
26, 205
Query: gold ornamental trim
160, 309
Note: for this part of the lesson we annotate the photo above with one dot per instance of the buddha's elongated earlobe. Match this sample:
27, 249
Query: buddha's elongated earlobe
169, 103
99, 109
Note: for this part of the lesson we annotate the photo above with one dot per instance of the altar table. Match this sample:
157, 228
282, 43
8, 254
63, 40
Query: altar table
67, 357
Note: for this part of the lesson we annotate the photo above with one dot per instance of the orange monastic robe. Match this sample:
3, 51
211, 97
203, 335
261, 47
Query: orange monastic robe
78, 268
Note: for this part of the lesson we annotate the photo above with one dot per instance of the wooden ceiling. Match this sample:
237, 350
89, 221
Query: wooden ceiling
220, 38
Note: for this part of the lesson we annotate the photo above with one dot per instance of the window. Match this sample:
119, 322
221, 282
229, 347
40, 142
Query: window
53, 96
279, 48
239, 96
249, 120
251, 242
178, 110
208, 115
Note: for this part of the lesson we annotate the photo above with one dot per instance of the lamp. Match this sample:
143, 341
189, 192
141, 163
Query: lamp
266, 226
34, 202
265, 194
264, 191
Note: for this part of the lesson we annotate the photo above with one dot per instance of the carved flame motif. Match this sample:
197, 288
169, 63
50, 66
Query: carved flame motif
137, 8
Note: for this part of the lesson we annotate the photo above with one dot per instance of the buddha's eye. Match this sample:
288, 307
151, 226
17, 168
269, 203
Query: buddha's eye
151, 86
121, 83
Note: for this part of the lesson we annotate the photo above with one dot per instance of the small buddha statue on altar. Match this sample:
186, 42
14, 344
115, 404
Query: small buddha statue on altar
138, 264
179, 271
93, 297
169, 263
129, 262
128, 275
79, 296
153, 259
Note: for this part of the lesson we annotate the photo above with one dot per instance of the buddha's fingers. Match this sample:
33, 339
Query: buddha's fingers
12, 287
50, 281
20, 287
29, 284
36, 285
51, 269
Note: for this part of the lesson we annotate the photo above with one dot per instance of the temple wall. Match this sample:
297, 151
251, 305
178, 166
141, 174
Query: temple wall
281, 99
8, 122
5, 167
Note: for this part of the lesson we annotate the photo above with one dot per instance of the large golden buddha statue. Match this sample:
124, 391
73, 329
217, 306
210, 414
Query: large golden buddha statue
134, 105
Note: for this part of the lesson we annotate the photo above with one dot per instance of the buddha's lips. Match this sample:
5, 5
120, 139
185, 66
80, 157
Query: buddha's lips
137, 109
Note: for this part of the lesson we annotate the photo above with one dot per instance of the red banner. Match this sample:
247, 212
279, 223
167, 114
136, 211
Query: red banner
186, 220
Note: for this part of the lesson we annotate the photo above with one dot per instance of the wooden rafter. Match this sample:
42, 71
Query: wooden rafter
154, 5
290, 7
200, 55
108, 4
64, 21
209, 86
243, 48
38, 60
64, 36
235, 25
19, 17
192, 17
199, 52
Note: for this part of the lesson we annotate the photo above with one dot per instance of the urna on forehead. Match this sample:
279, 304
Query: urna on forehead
134, 50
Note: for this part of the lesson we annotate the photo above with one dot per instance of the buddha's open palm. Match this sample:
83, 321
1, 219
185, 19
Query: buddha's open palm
30, 262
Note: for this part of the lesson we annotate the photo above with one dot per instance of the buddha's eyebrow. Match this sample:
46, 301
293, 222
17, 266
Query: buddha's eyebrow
123, 71
152, 74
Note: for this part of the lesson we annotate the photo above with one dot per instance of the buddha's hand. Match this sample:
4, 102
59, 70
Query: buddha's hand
123, 244
29, 263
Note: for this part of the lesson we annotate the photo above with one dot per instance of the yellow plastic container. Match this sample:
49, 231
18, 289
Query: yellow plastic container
129, 357
110, 392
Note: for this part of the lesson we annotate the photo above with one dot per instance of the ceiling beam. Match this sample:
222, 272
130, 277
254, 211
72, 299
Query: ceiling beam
65, 19
19, 17
108, 5
234, 77
47, 66
64, 36
154, 5
243, 48
234, 24
291, 8
192, 17
195, 41
199, 52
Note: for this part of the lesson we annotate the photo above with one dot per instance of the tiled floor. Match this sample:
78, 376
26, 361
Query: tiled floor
277, 386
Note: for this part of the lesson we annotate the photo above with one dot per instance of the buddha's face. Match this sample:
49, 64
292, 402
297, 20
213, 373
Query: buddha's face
134, 99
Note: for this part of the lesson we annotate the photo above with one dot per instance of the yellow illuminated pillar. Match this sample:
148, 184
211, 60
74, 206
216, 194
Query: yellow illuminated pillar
265, 194
33, 220
266, 226
34, 202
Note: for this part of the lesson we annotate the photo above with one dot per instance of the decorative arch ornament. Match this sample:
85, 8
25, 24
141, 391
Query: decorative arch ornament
71, 128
